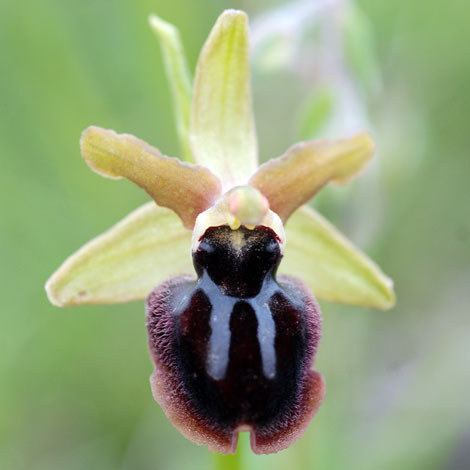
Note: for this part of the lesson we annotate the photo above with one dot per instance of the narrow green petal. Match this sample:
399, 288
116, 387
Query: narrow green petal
185, 188
179, 77
222, 129
126, 262
333, 268
293, 178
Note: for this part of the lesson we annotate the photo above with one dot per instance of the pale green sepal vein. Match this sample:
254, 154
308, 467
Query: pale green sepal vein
222, 129
179, 77
333, 268
126, 262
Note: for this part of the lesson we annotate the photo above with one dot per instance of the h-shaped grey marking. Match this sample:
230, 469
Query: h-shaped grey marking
219, 343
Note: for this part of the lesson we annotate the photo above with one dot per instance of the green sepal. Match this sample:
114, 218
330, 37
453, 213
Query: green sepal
333, 268
222, 128
126, 262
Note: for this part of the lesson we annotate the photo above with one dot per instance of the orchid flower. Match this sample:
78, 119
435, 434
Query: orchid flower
233, 346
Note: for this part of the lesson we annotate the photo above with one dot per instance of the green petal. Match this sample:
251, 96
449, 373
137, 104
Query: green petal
222, 129
293, 179
333, 268
126, 262
179, 77
187, 189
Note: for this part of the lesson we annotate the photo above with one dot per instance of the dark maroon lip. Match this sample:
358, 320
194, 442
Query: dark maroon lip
234, 348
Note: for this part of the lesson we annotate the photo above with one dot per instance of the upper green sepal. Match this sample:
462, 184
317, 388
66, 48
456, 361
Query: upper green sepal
222, 129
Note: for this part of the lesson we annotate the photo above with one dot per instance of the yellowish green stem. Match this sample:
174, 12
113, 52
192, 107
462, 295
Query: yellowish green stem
233, 462
227, 462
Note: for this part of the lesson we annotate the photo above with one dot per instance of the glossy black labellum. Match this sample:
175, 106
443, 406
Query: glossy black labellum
234, 349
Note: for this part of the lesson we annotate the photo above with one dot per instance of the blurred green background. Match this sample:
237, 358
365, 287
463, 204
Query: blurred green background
74, 390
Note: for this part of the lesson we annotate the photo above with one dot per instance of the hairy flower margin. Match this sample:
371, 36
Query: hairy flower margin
225, 187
